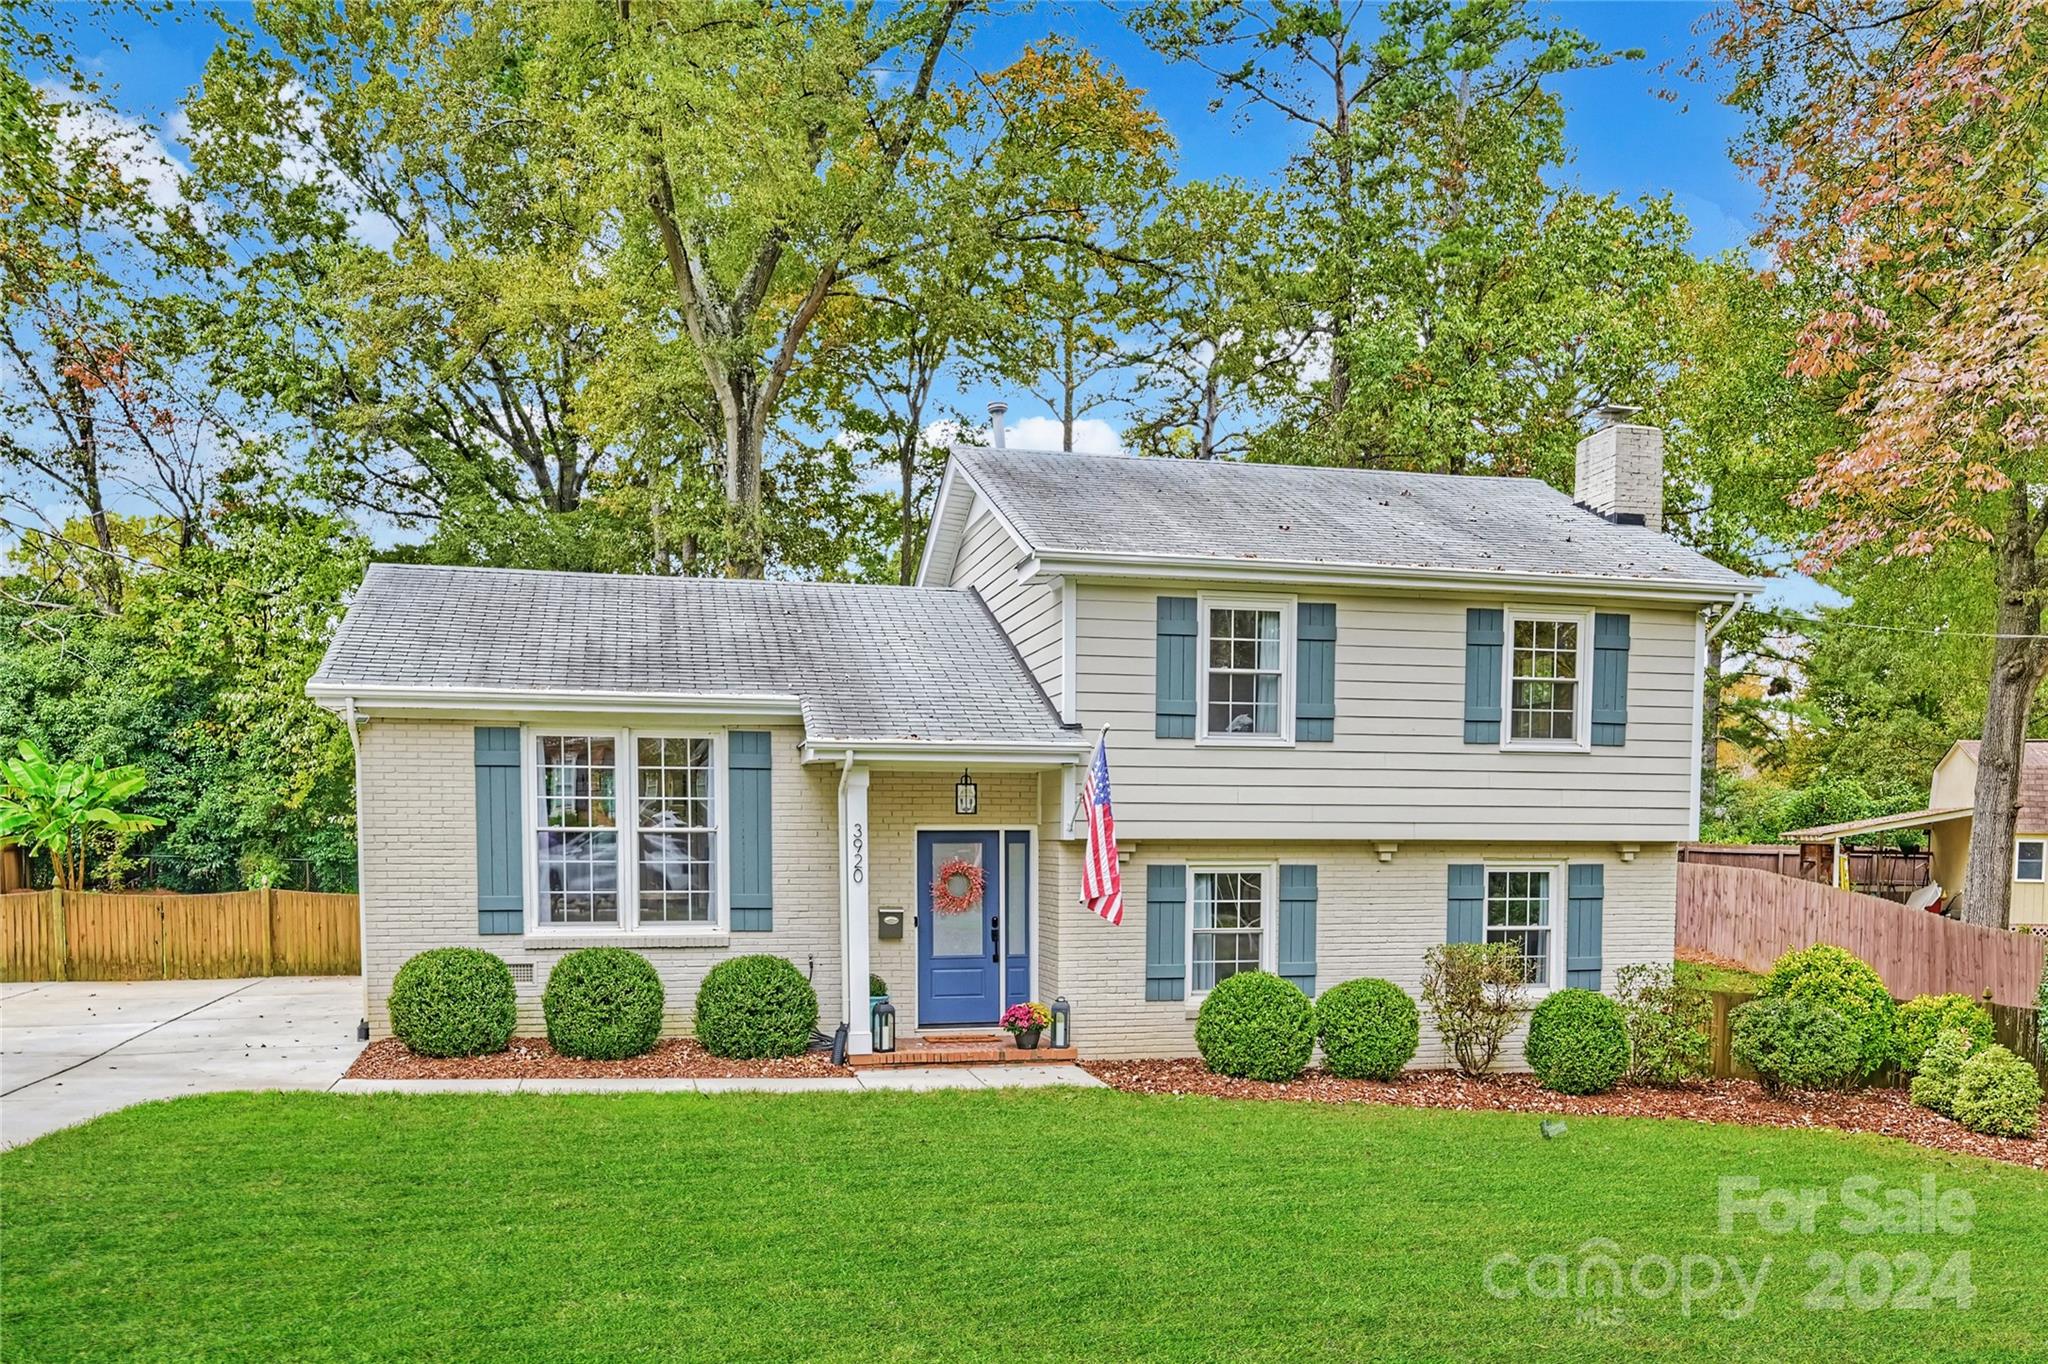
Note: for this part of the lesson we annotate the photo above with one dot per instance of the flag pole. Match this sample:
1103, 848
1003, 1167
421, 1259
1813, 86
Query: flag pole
1100, 740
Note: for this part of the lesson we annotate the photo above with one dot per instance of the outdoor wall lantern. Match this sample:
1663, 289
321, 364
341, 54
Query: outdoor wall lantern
966, 796
1062, 1023
885, 1026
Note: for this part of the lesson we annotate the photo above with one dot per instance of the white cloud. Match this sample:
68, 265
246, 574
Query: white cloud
1092, 436
127, 144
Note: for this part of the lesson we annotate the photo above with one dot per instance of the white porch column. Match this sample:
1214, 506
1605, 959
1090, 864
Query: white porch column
853, 895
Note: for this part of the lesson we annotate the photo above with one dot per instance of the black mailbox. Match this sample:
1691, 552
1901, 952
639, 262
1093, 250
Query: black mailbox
892, 925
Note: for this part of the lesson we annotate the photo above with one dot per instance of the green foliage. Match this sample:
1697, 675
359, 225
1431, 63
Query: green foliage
1941, 1066
1369, 1029
1840, 980
602, 1004
1797, 1043
1256, 1026
1475, 994
1762, 809
49, 807
1578, 1042
1666, 1018
754, 1006
877, 987
1927, 1017
453, 1001
1998, 1094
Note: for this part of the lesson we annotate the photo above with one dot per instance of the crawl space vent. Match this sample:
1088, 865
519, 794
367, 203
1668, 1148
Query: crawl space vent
522, 972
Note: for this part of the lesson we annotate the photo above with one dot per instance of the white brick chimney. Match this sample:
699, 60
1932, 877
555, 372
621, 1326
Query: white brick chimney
1620, 470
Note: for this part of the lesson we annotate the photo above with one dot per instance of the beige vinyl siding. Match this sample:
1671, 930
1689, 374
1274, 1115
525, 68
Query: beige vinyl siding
1029, 612
1399, 767
418, 827
1373, 918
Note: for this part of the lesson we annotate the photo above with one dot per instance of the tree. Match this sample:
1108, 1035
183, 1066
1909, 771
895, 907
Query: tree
51, 808
752, 152
1450, 291
1900, 150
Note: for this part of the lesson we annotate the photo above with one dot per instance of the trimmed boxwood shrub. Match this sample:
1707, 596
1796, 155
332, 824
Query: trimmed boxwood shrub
750, 1007
1941, 1065
1578, 1042
603, 1004
1998, 1094
1797, 1044
1256, 1026
1369, 1029
1840, 980
453, 1001
1924, 1019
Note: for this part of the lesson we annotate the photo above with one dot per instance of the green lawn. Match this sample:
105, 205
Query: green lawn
1732, 979
1015, 1226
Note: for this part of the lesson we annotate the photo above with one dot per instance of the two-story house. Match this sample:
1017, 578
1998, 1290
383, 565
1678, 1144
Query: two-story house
1349, 715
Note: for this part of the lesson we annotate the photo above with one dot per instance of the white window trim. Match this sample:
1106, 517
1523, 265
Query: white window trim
1269, 910
629, 924
1582, 705
1559, 904
1285, 606
2042, 839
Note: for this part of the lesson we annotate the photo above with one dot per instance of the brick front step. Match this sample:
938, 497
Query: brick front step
963, 1051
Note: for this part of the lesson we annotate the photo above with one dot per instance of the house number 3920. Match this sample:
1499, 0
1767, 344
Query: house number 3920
860, 861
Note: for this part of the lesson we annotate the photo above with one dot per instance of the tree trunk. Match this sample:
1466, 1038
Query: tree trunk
746, 553
2017, 661
906, 464
1710, 729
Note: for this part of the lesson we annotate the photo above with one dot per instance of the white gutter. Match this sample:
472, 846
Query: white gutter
386, 697
1728, 615
1207, 568
945, 753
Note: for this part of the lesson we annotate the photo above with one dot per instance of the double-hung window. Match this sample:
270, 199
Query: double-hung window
1244, 669
625, 831
1519, 911
1546, 681
1228, 927
2028, 860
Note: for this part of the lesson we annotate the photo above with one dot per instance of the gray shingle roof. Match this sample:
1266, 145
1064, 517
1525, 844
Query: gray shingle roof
869, 664
1093, 504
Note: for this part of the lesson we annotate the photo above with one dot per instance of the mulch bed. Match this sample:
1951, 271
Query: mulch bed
1887, 1112
531, 1058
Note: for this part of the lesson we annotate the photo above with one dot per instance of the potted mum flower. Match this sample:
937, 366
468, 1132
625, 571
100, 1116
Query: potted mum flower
1026, 1022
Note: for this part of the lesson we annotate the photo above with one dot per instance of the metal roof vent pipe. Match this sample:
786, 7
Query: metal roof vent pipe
996, 410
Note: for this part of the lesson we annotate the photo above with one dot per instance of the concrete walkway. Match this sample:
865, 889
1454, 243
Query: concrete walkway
72, 1050
897, 1077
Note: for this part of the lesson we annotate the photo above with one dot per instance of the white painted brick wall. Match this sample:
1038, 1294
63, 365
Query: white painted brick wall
418, 807
1372, 919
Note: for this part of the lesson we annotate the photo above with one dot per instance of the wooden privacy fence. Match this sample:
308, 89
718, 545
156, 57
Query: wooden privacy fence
2018, 1030
85, 935
1891, 873
1754, 917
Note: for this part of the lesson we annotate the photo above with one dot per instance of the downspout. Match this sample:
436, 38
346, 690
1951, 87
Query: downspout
845, 914
355, 748
1733, 607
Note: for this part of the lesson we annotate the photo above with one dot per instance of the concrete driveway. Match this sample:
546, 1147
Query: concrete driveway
72, 1050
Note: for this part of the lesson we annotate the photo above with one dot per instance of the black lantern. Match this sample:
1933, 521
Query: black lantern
885, 1026
1062, 1023
966, 796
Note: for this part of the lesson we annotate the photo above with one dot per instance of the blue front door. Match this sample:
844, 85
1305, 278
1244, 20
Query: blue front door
959, 955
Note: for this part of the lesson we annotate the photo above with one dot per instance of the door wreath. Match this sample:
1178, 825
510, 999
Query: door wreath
957, 886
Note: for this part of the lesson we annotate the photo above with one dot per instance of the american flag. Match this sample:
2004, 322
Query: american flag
1102, 881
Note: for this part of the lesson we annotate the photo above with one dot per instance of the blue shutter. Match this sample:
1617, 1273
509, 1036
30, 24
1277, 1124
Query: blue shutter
750, 781
1166, 931
1297, 955
1465, 913
1174, 702
1585, 909
1610, 680
500, 898
1482, 675
1315, 672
